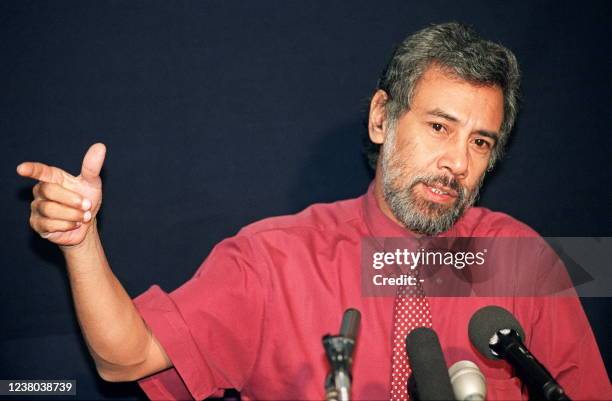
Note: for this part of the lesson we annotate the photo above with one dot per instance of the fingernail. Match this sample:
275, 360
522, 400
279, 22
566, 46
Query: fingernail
86, 204
87, 216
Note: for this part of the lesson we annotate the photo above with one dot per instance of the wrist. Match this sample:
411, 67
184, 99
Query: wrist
89, 239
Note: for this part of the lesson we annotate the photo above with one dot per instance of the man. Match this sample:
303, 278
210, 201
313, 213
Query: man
252, 316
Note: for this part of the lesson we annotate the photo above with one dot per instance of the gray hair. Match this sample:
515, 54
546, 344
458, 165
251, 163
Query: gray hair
458, 49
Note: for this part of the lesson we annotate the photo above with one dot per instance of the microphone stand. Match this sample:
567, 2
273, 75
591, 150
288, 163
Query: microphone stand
339, 351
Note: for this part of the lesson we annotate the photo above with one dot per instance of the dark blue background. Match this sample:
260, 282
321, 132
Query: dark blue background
219, 113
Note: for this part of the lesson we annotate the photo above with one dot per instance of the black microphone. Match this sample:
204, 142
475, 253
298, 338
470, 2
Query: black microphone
496, 334
429, 372
339, 351
350, 323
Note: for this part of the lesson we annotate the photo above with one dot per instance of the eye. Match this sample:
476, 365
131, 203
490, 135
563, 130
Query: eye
437, 127
481, 143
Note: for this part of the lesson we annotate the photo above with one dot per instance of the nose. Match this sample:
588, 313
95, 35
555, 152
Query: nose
455, 158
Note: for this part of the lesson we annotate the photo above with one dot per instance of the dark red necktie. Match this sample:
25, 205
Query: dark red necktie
411, 310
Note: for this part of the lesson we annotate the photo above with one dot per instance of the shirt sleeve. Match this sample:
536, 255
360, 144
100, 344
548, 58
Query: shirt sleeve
210, 327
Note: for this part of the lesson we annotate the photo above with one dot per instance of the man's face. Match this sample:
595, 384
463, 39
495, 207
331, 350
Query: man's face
435, 156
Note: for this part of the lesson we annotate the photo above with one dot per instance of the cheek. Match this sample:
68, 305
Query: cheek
415, 161
476, 175
479, 165
416, 153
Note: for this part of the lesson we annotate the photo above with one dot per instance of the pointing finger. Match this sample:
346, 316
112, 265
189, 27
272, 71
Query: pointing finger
93, 161
41, 172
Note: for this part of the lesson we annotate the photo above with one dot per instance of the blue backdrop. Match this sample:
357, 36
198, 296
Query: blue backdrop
219, 113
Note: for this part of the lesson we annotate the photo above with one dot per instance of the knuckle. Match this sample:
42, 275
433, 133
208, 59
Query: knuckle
43, 208
43, 189
38, 169
36, 224
35, 207
43, 226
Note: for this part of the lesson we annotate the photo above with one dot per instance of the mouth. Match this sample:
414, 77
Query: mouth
439, 193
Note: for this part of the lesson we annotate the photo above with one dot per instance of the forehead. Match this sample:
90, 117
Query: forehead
482, 105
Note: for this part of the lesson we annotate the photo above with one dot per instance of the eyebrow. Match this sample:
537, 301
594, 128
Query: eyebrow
442, 114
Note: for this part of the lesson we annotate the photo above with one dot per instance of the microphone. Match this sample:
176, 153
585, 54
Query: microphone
339, 351
468, 381
429, 375
350, 323
496, 334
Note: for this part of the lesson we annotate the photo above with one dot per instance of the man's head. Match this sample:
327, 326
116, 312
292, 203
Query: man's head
443, 110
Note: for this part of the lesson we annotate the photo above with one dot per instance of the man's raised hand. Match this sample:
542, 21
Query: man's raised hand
64, 206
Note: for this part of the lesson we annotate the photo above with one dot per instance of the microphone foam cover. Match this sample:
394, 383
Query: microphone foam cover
350, 323
428, 365
486, 322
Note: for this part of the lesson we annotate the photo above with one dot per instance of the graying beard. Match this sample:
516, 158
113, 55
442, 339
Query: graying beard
406, 207
438, 219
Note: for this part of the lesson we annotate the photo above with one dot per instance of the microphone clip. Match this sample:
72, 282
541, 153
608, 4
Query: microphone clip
339, 351
503, 340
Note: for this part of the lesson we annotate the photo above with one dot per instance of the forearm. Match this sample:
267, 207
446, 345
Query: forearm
64, 212
114, 331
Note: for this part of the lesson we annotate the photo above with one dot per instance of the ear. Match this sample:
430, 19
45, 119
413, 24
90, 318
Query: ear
377, 121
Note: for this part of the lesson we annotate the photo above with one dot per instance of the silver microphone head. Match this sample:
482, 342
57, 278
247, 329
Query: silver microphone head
468, 381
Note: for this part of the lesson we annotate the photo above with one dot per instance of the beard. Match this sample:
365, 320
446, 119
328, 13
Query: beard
420, 215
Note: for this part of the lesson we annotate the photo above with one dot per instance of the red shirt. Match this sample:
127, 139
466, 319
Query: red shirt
253, 315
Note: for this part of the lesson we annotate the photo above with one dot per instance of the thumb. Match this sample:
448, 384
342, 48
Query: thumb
93, 161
